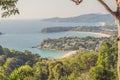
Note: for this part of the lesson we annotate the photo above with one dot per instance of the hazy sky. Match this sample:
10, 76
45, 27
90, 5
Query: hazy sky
39, 9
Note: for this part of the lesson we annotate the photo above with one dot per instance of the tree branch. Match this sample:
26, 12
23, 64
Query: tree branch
117, 4
106, 7
77, 1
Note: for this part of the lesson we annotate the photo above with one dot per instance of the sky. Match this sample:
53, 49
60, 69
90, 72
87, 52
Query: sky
41, 9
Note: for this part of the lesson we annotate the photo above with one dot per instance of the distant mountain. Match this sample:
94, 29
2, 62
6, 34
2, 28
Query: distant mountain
84, 18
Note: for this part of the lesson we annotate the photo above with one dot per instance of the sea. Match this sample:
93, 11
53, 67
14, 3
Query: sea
22, 35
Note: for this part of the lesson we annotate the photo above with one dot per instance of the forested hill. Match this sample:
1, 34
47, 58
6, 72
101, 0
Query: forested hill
84, 18
100, 65
72, 43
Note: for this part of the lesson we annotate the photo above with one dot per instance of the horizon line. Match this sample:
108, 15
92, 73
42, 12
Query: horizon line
50, 17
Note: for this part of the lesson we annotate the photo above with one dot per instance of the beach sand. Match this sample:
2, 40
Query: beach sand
100, 34
70, 53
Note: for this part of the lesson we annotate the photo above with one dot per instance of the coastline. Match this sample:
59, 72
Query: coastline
68, 54
73, 52
96, 33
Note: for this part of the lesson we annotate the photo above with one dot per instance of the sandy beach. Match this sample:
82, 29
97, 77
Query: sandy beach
70, 53
100, 34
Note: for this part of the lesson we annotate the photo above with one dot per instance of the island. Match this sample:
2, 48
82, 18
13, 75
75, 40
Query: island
72, 43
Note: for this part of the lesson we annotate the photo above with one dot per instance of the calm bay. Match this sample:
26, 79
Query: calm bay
23, 34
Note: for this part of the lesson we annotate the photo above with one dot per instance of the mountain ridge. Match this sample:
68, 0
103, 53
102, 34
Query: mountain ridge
84, 18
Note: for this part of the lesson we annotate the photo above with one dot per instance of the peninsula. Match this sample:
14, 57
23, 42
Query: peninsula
72, 43
110, 30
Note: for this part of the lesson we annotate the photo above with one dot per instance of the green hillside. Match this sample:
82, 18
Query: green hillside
100, 65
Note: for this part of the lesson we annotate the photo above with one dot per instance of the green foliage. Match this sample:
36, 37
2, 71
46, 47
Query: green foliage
101, 65
89, 59
1, 50
104, 54
72, 43
106, 63
2, 73
6, 52
11, 60
56, 70
2, 60
56, 29
22, 73
9, 7
108, 55
41, 71
100, 73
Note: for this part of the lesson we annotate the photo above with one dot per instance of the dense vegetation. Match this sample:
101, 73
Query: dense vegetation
56, 29
106, 29
72, 43
63, 29
100, 65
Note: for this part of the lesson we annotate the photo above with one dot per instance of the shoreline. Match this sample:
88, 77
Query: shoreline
73, 52
68, 54
96, 33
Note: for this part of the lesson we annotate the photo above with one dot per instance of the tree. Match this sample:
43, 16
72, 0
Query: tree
22, 73
89, 60
9, 7
1, 50
41, 71
116, 15
106, 67
105, 56
100, 73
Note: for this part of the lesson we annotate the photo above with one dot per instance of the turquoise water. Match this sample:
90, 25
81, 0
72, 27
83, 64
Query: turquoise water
23, 34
